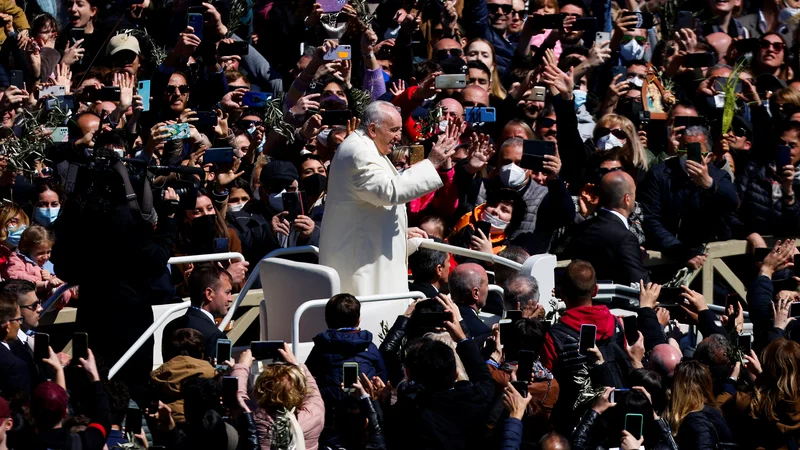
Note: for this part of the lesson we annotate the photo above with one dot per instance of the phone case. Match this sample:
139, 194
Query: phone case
255, 99
178, 131
602, 36
330, 6
59, 134
195, 21
340, 52
144, 90
456, 81
349, 375
56, 91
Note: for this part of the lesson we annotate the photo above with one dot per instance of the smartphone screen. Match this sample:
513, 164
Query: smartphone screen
293, 205
218, 156
633, 425
784, 157
631, 329
616, 395
587, 338
794, 309
513, 315
230, 385
80, 346
525, 365
694, 152
745, 343
733, 300
41, 345
266, 350
349, 374
133, 421
521, 387
486, 227
224, 347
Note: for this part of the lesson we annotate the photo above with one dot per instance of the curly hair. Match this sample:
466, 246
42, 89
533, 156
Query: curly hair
777, 389
281, 386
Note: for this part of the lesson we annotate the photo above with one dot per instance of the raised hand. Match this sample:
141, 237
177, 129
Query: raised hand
398, 87
446, 145
73, 53
480, 152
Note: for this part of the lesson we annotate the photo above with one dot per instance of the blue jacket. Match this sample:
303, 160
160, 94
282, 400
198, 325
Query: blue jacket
760, 213
332, 349
476, 21
679, 216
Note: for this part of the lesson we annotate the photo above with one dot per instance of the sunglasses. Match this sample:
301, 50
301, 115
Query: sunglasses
627, 38
522, 13
617, 132
33, 306
546, 122
448, 53
777, 46
499, 9
171, 88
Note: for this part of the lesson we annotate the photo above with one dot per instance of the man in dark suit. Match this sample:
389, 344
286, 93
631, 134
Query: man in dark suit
606, 241
24, 293
13, 371
210, 293
430, 270
469, 287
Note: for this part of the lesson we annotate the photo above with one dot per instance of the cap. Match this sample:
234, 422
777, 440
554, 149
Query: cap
768, 82
5, 411
49, 397
742, 126
123, 41
278, 170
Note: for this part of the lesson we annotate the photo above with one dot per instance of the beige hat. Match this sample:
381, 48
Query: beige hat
122, 42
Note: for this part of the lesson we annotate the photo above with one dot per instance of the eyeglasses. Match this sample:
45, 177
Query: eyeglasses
18, 319
777, 46
521, 13
33, 306
546, 122
449, 52
617, 132
640, 39
171, 88
499, 9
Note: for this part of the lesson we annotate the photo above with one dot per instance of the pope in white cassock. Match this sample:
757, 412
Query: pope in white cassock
364, 229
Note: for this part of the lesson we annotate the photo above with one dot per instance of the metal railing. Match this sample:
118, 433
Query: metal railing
318, 303
55, 296
191, 259
470, 254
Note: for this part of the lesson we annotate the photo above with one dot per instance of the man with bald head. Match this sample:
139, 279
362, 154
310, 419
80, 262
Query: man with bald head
452, 109
722, 44
469, 287
447, 48
663, 359
606, 241
474, 96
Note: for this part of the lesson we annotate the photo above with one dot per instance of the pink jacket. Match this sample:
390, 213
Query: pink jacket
20, 268
443, 200
311, 416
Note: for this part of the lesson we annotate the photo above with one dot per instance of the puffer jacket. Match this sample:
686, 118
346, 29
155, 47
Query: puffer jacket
762, 210
167, 380
592, 433
533, 194
703, 430
332, 349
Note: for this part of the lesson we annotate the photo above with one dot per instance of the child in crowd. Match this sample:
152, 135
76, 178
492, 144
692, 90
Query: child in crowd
31, 262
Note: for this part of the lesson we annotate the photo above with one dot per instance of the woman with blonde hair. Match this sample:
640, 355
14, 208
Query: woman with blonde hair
461, 373
693, 417
612, 131
13, 221
480, 49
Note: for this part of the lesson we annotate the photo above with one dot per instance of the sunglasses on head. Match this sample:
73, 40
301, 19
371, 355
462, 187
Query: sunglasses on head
171, 88
449, 52
627, 38
777, 46
499, 9
617, 132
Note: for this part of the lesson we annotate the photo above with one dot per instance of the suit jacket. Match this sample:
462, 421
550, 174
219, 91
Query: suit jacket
425, 288
14, 375
25, 354
610, 247
196, 319
475, 327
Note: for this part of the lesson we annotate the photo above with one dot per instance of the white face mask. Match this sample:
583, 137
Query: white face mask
719, 100
276, 200
496, 223
512, 175
635, 81
786, 14
631, 51
608, 142
443, 125
236, 208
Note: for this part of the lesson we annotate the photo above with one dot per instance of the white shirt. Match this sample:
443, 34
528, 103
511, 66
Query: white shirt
621, 217
22, 336
6, 344
210, 317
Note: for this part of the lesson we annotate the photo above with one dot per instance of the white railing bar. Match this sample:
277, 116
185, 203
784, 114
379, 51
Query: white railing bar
145, 336
460, 251
52, 299
496, 288
206, 258
292, 251
323, 301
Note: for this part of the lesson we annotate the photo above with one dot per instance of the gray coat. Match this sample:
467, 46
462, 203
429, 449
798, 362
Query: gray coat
533, 194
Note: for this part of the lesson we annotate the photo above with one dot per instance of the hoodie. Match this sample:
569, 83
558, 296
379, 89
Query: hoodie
597, 315
167, 380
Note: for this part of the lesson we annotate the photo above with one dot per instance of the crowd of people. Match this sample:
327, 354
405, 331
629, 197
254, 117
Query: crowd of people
133, 131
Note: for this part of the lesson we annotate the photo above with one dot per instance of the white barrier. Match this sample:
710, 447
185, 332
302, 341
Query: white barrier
191, 259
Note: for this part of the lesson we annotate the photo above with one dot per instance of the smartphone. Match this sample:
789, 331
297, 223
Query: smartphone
230, 386
688, 122
17, 79
721, 82
696, 60
533, 153
525, 365
108, 94
539, 93
195, 20
153, 408
224, 348
332, 6
220, 246
584, 24
240, 48
339, 117
133, 421
547, 21
484, 226
56, 91
349, 375
750, 45
694, 152
514, 315
417, 153
143, 89
76, 34
644, 119
266, 350
177, 131
256, 99
733, 300
676, 312
59, 134
340, 52
794, 309
454, 81
41, 347
206, 119
80, 346
218, 156
745, 342
685, 20
783, 156
634, 424
431, 320
587, 339
631, 329
645, 20
521, 387
622, 71
480, 114
293, 205
602, 36
616, 395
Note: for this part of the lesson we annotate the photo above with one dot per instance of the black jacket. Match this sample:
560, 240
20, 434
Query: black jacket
14, 375
38, 372
610, 247
196, 319
92, 438
703, 430
592, 433
760, 212
426, 288
474, 325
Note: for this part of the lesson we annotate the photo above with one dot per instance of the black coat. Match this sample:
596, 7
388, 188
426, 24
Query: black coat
196, 319
14, 375
474, 325
759, 212
36, 372
703, 430
426, 288
610, 247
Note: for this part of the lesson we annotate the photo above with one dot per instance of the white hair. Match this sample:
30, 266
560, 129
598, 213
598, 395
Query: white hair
377, 113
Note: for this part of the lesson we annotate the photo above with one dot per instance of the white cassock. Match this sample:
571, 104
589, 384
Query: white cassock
365, 224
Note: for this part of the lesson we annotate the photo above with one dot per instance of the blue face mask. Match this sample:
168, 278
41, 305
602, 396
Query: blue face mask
580, 98
14, 235
46, 216
386, 77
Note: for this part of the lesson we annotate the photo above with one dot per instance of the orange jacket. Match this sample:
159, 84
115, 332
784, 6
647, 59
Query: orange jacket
498, 239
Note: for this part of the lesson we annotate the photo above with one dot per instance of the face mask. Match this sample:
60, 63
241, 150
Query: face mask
636, 81
276, 200
496, 223
716, 102
236, 208
120, 153
256, 194
786, 14
630, 109
46, 216
512, 175
443, 126
315, 184
580, 98
14, 235
608, 142
632, 50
